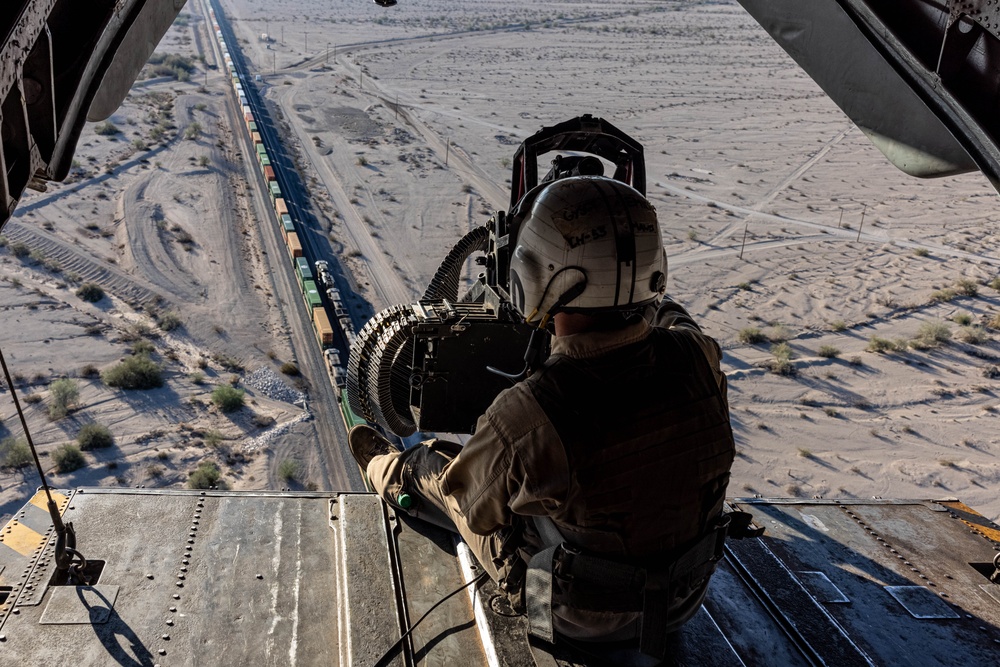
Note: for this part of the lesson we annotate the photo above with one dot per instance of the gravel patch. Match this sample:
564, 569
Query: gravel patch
271, 385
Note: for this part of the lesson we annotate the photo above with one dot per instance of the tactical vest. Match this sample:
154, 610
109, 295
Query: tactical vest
647, 436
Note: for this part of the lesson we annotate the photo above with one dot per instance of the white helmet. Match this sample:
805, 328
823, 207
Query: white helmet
588, 244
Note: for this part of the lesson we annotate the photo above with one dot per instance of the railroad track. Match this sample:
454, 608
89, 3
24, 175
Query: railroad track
111, 279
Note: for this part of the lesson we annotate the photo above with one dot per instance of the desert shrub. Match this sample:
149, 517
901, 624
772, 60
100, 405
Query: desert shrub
19, 250
994, 322
288, 368
197, 377
89, 371
15, 453
973, 335
933, 333
289, 469
205, 476
943, 295
143, 347
963, 319
94, 436
880, 345
744, 286
995, 284
231, 364
90, 292
193, 130
137, 372
838, 325
169, 321
63, 395
68, 458
751, 336
779, 333
171, 64
828, 352
921, 252
967, 287
228, 398
781, 351
781, 364
213, 438
32, 399
107, 129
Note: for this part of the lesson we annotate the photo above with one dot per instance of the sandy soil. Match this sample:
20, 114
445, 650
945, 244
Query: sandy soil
405, 122
159, 216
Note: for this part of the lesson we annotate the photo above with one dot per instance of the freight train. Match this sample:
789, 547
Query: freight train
323, 317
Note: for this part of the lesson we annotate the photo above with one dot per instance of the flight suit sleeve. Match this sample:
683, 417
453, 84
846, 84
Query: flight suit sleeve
672, 315
513, 464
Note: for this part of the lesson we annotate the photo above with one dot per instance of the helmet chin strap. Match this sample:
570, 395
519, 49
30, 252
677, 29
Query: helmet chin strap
533, 354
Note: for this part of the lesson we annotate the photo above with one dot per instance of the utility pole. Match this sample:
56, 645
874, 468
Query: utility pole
745, 227
841, 221
328, 53
863, 211
447, 150
274, 67
397, 106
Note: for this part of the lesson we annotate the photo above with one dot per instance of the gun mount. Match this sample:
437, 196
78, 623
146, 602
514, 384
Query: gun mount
426, 366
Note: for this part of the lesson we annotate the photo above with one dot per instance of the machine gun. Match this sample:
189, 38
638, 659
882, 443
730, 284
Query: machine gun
434, 365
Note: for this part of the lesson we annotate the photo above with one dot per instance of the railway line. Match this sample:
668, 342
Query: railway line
286, 197
71, 260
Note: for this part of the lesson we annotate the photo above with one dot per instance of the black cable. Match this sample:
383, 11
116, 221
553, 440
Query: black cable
24, 426
391, 652
68, 559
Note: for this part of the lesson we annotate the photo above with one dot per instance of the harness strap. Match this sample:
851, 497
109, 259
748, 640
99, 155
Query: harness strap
591, 582
538, 594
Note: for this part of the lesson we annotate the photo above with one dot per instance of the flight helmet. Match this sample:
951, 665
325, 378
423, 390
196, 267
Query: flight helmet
586, 244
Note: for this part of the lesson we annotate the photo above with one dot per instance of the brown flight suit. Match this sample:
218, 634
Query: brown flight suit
629, 456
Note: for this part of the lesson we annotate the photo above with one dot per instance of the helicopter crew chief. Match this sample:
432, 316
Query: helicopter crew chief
591, 491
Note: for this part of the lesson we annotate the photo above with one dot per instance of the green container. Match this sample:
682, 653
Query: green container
286, 222
302, 267
261, 150
311, 294
275, 190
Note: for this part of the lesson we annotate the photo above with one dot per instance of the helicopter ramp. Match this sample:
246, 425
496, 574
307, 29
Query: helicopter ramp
238, 578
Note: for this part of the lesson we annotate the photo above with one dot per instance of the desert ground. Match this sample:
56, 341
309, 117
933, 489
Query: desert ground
857, 307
